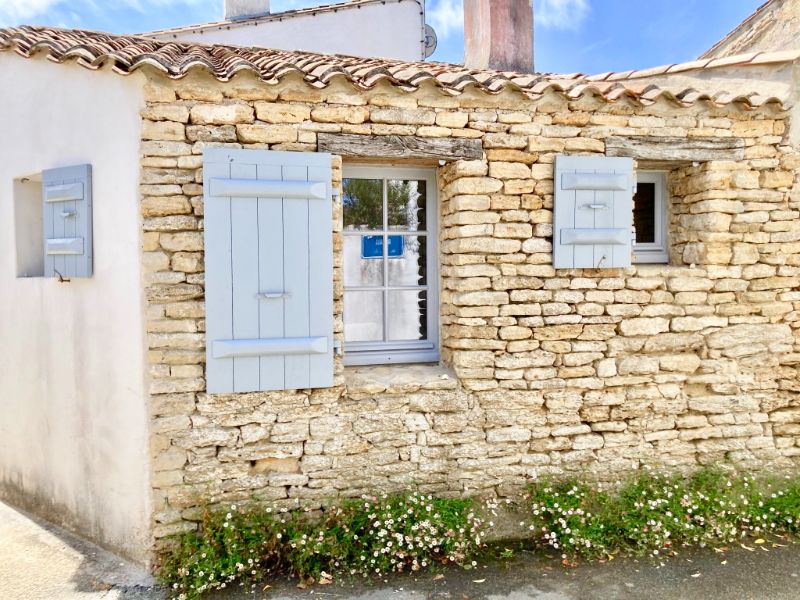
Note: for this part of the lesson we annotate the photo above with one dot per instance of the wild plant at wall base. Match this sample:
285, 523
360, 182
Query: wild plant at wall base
368, 537
656, 514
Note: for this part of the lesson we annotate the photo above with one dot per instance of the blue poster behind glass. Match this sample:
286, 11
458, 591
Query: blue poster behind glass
372, 246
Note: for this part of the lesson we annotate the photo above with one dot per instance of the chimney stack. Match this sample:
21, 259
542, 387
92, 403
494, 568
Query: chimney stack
498, 34
243, 9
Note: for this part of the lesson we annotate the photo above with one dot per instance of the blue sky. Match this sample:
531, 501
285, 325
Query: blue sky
589, 36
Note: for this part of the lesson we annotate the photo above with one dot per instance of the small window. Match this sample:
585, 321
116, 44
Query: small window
390, 267
650, 218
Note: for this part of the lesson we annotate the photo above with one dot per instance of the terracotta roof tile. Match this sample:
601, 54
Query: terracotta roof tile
688, 66
736, 59
739, 60
126, 54
779, 56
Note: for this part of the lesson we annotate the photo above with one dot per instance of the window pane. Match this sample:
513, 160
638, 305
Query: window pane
363, 316
363, 261
408, 260
408, 315
363, 204
406, 205
644, 213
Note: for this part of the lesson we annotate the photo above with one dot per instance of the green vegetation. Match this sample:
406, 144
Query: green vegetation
370, 536
650, 514
656, 513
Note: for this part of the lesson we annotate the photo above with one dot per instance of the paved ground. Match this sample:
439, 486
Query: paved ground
40, 562
756, 575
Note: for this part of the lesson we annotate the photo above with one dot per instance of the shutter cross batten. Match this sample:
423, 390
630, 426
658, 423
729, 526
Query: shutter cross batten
269, 270
249, 188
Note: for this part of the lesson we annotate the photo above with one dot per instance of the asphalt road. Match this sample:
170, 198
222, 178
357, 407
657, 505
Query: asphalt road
41, 562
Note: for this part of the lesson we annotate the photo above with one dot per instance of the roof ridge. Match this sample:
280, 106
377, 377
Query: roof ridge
744, 59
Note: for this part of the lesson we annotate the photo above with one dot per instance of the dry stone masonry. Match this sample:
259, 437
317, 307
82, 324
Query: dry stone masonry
544, 371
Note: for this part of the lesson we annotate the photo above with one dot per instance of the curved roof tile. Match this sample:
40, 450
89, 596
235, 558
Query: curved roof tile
126, 54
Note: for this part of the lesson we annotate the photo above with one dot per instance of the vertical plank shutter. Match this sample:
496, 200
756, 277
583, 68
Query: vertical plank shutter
593, 212
67, 215
269, 270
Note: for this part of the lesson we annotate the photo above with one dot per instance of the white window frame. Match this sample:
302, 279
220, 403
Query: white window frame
655, 252
399, 352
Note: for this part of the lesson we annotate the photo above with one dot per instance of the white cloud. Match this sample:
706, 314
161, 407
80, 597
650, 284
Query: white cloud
561, 14
17, 11
446, 16
14, 12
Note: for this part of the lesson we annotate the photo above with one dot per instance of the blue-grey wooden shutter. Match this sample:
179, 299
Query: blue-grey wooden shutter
269, 270
67, 215
593, 212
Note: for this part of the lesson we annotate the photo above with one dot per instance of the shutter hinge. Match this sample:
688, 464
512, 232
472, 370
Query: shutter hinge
337, 348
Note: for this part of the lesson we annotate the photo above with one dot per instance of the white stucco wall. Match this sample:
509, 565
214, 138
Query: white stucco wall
390, 30
73, 421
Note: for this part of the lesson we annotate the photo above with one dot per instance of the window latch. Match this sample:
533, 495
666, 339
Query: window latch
272, 295
68, 214
596, 206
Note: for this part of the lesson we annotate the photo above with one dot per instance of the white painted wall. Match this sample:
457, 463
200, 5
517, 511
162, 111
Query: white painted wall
73, 415
390, 30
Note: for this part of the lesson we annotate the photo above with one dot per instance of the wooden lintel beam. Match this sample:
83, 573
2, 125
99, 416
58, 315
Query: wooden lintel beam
676, 149
399, 146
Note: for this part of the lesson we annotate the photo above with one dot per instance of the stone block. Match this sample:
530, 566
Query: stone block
737, 335
266, 134
644, 326
221, 114
276, 465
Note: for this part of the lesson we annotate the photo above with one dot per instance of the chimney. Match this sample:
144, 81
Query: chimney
498, 34
243, 9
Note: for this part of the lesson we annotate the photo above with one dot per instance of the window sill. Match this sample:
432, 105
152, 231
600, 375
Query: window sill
398, 379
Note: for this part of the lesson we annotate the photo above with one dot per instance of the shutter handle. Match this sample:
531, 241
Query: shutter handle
596, 206
67, 214
272, 295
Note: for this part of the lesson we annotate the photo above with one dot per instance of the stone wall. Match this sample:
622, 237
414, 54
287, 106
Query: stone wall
773, 27
545, 371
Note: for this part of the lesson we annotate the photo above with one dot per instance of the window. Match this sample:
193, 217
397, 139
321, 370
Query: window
650, 218
28, 226
390, 267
